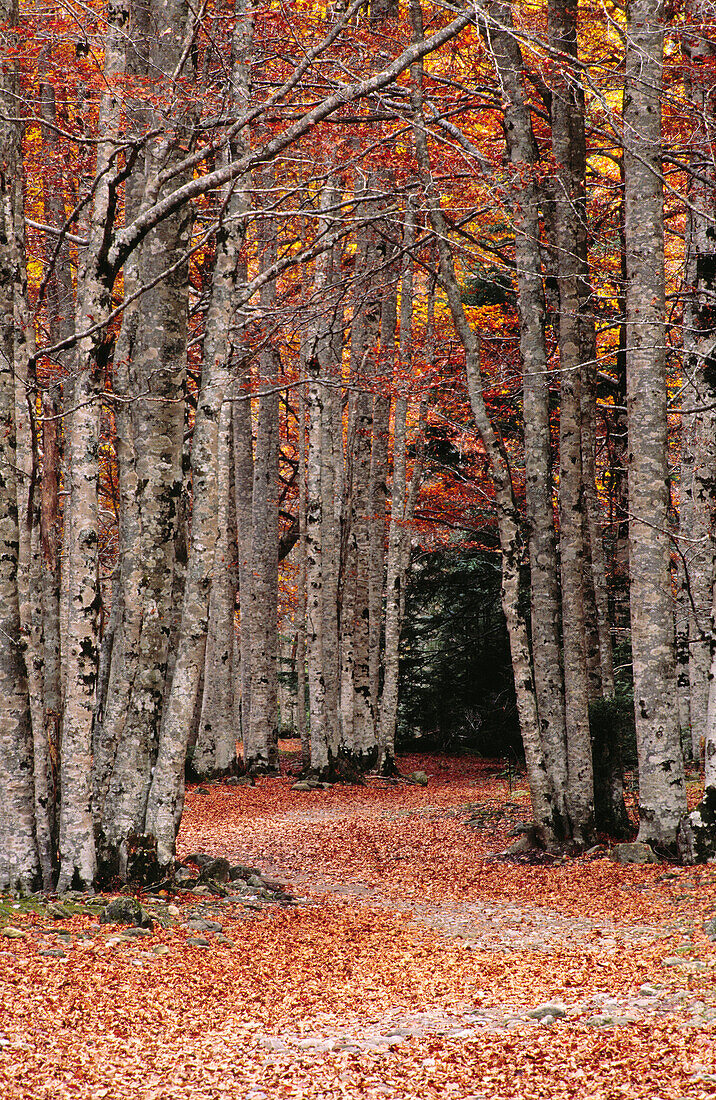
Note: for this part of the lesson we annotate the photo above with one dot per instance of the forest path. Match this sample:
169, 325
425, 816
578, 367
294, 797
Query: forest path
406, 969
616, 951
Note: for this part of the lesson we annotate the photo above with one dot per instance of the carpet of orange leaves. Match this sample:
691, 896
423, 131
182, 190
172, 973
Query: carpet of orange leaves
198, 1024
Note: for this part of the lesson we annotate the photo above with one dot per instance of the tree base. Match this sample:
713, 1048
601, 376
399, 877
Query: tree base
697, 832
235, 768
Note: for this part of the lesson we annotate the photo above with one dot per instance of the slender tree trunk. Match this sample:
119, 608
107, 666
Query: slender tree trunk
396, 535
320, 742
243, 489
358, 718
261, 747
301, 608
328, 350
567, 109
508, 519
76, 840
698, 432
379, 473
60, 308
121, 643
544, 583
19, 858
215, 748
662, 795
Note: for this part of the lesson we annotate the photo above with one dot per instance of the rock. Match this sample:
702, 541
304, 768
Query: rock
270, 1042
602, 1020
160, 949
598, 851
186, 882
223, 940
136, 933
710, 928
57, 911
199, 925
551, 1008
635, 852
302, 785
173, 910
548, 1019
420, 779
273, 885
198, 941
201, 891
201, 859
52, 953
124, 910
240, 871
219, 870
526, 843
648, 990
10, 932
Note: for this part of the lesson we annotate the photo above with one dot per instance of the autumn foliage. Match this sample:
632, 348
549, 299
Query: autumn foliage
406, 969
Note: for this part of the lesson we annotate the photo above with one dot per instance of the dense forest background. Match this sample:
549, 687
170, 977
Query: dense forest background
324, 326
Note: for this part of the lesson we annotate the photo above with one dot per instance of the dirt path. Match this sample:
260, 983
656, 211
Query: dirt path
414, 965
617, 956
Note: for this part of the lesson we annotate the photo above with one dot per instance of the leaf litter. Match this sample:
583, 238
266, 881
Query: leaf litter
408, 967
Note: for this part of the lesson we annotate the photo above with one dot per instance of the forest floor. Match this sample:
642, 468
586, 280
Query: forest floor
407, 965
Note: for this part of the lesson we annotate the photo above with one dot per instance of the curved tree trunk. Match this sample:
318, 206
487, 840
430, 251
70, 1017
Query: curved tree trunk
508, 519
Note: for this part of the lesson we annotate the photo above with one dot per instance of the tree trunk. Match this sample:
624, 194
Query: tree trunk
698, 418
662, 794
509, 527
544, 583
567, 110
19, 859
261, 747
215, 748
78, 862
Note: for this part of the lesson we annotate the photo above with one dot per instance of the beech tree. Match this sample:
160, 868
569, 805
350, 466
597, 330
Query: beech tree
126, 807
226, 331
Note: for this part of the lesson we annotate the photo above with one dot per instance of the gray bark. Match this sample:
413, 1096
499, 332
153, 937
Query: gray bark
215, 748
508, 519
321, 745
301, 716
76, 827
544, 582
261, 744
378, 485
19, 858
662, 795
698, 430
567, 110
395, 575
